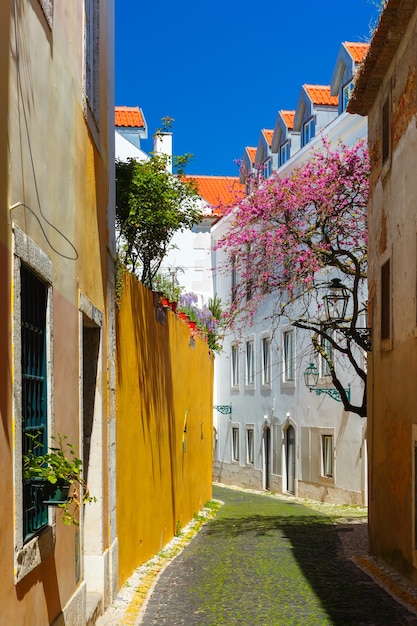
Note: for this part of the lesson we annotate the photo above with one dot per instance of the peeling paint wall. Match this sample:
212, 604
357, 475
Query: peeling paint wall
164, 426
393, 363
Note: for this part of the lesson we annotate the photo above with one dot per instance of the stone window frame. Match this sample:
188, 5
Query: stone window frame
29, 555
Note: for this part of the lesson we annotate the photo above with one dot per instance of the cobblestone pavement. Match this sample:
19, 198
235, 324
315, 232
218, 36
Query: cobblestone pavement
267, 561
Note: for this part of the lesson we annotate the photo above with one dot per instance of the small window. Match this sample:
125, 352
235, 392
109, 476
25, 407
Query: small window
250, 363
324, 363
347, 91
386, 301
386, 130
235, 443
249, 280
327, 455
308, 131
288, 341
235, 366
250, 446
91, 62
284, 153
267, 168
234, 278
266, 360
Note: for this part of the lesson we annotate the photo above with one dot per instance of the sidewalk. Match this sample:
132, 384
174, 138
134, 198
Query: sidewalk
267, 560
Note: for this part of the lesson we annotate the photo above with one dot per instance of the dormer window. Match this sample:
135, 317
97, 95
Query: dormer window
346, 92
308, 131
267, 168
284, 153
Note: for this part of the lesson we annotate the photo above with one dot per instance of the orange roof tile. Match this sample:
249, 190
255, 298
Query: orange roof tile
129, 117
268, 135
218, 191
320, 94
288, 117
251, 153
357, 50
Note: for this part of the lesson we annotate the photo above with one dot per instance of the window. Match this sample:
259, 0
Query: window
266, 360
250, 446
235, 443
284, 153
91, 52
250, 364
324, 364
33, 387
327, 455
386, 301
347, 90
386, 130
288, 345
249, 280
234, 278
308, 131
267, 168
34, 527
235, 366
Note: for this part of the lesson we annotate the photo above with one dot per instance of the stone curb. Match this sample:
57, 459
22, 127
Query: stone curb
130, 604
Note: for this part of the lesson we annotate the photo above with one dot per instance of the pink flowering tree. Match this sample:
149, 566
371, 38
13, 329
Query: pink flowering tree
289, 237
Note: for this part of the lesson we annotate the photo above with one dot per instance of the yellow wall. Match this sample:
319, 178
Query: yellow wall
163, 383
57, 179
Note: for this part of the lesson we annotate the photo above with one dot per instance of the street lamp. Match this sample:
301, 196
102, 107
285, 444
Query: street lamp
335, 306
336, 301
311, 377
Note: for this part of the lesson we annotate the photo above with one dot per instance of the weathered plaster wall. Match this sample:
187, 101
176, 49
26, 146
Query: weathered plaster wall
164, 427
393, 363
54, 187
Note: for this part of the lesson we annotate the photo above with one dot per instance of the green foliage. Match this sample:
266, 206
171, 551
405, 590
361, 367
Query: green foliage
168, 286
151, 206
59, 463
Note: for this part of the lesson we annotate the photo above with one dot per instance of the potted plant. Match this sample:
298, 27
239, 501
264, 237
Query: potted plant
56, 477
169, 290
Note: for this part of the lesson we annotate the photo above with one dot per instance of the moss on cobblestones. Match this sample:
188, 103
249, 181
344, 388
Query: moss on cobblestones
270, 561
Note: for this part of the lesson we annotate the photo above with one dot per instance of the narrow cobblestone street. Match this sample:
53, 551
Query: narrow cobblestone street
266, 561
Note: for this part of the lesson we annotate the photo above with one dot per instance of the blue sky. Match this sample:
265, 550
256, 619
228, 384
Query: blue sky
222, 69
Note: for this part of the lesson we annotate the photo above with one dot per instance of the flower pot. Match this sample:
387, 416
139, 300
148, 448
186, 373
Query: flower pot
173, 305
164, 302
183, 316
50, 494
192, 324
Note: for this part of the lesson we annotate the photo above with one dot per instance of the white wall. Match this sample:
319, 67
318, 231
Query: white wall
280, 404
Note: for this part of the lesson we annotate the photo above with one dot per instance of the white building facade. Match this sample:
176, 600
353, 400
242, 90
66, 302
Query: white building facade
271, 431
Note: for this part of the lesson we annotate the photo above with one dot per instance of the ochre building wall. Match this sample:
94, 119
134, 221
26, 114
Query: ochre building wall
164, 428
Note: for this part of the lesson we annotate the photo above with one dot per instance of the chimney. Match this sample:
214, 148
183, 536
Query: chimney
162, 144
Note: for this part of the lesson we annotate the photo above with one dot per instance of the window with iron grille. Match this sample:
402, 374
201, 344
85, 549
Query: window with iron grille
34, 295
